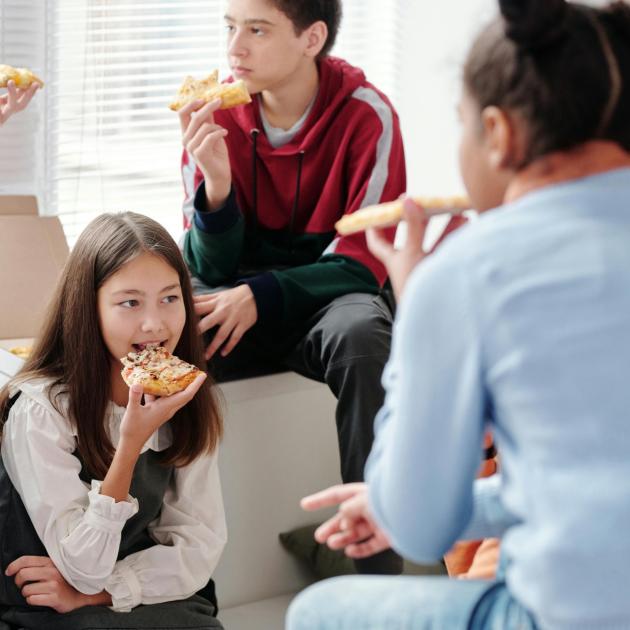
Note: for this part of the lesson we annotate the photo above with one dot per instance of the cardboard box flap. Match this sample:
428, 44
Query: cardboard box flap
9, 363
18, 204
33, 251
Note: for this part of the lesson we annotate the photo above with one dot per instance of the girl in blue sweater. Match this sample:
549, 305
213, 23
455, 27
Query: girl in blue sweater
519, 322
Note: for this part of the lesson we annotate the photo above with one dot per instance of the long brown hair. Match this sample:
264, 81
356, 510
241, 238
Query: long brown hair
71, 350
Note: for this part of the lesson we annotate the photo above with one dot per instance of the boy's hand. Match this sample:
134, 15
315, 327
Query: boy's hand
41, 584
233, 311
15, 100
204, 140
141, 421
400, 263
353, 527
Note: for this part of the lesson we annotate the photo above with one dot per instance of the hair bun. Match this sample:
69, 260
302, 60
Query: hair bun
534, 24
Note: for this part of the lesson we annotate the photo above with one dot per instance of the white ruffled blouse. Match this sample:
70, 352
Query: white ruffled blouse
81, 528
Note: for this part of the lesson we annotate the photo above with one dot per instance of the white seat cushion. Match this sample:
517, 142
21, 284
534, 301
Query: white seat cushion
264, 614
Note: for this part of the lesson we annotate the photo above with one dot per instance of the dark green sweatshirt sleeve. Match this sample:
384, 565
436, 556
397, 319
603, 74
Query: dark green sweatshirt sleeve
213, 245
308, 288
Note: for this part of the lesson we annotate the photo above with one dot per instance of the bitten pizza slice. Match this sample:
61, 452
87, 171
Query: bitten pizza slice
231, 94
22, 77
158, 371
390, 213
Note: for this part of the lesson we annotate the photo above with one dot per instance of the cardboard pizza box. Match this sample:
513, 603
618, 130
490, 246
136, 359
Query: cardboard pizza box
33, 250
9, 365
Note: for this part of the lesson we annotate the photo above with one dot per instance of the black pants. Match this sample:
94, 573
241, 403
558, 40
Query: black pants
345, 345
194, 613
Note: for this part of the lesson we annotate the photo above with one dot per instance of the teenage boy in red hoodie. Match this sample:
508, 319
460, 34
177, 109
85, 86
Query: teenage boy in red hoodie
265, 184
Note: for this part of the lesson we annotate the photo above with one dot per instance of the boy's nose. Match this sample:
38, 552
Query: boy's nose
235, 47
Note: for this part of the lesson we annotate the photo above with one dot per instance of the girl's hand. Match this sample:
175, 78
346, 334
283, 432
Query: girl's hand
400, 263
141, 421
41, 584
15, 100
352, 528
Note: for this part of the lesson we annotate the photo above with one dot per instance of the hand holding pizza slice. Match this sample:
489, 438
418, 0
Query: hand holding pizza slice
158, 371
22, 77
391, 213
208, 89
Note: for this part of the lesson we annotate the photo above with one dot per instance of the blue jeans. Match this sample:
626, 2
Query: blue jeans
407, 603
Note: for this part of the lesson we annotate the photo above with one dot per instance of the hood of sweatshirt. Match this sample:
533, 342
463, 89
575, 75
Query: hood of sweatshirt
337, 81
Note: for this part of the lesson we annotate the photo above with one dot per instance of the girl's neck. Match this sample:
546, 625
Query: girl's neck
590, 158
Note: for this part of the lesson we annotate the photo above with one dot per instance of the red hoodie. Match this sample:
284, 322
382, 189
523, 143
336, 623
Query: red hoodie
280, 222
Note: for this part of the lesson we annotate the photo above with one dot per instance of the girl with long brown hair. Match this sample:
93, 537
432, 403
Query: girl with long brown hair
110, 500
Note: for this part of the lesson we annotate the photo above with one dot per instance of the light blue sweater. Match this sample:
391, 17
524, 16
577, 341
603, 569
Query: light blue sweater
520, 320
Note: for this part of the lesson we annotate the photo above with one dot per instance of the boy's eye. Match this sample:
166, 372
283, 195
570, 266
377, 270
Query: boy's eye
229, 28
129, 303
257, 31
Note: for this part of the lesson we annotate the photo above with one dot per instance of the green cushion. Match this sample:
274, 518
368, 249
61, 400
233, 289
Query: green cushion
325, 562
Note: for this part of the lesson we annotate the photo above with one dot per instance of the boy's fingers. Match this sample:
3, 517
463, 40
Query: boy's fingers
199, 117
220, 336
186, 112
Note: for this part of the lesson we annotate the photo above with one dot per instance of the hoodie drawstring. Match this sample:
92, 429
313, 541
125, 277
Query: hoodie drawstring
296, 200
254, 134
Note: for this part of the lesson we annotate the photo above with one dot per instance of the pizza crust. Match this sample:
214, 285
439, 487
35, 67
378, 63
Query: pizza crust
208, 89
22, 77
390, 213
24, 352
158, 371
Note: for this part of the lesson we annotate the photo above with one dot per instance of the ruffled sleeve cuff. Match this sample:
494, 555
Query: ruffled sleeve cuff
105, 514
124, 587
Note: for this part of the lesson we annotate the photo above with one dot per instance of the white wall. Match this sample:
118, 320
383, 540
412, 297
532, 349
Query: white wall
437, 35
436, 38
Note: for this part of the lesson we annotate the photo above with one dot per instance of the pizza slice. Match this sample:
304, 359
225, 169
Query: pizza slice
24, 352
158, 371
231, 94
22, 77
391, 213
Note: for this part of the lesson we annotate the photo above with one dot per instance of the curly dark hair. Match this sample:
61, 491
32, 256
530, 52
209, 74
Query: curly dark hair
563, 67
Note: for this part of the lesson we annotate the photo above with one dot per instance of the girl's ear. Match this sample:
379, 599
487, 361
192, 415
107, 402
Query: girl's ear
503, 139
316, 36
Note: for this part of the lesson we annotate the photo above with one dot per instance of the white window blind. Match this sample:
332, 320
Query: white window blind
114, 65
22, 29
370, 37
111, 67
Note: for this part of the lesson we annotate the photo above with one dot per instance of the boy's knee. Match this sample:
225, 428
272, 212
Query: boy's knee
360, 325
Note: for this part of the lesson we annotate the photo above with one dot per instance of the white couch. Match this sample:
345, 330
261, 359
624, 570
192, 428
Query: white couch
280, 443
